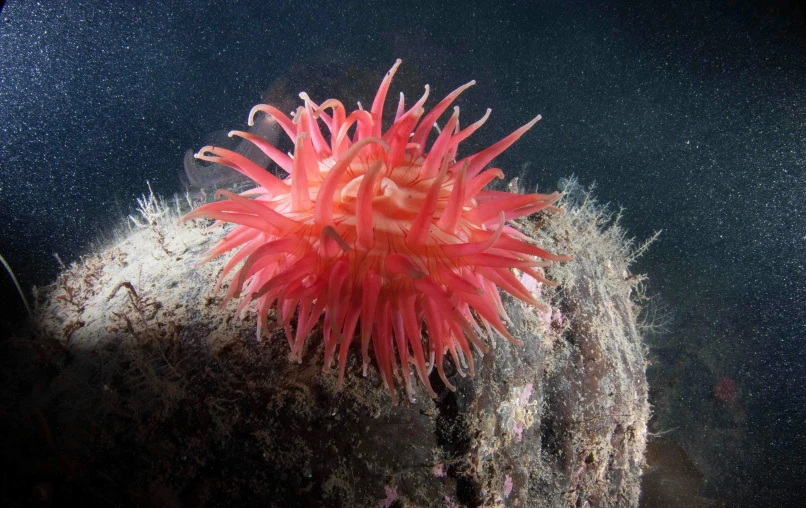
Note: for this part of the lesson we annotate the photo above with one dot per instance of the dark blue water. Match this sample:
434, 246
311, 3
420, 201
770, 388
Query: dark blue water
691, 116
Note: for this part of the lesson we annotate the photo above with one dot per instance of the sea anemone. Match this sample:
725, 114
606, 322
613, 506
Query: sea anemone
375, 233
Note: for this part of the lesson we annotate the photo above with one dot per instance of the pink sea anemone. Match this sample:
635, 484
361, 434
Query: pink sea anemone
375, 232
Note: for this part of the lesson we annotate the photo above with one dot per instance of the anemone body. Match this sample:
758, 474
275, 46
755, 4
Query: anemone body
385, 241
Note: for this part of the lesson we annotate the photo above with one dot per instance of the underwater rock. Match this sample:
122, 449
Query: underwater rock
152, 394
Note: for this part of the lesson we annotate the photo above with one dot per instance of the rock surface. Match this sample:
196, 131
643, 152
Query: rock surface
136, 388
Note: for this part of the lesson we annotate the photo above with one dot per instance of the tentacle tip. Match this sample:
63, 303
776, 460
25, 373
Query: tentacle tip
394, 67
251, 119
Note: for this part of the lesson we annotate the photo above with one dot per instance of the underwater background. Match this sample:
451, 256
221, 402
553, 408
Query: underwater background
689, 115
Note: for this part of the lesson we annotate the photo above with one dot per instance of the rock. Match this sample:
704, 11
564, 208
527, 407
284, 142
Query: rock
154, 395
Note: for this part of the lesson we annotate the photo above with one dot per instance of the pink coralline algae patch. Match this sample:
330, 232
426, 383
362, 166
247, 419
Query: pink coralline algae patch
544, 312
530, 284
526, 394
450, 503
517, 429
391, 497
544, 315
508, 486
517, 413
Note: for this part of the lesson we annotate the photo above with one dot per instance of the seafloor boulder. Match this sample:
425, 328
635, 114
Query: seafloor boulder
137, 388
